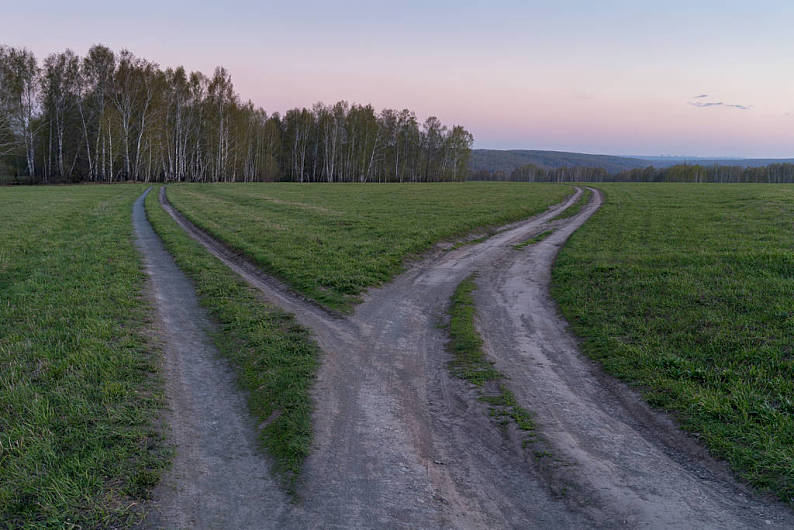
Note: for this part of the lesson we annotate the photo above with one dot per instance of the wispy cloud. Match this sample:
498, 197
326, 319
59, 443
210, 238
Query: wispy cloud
706, 104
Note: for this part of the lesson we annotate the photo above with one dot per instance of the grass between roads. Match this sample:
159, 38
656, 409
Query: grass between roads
575, 208
531, 241
332, 241
470, 363
78, 383
275, 359
687, 291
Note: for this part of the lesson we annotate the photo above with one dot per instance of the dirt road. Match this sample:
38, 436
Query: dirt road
217, 468
401, 443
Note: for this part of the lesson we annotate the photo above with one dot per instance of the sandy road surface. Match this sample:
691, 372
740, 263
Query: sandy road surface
401, 443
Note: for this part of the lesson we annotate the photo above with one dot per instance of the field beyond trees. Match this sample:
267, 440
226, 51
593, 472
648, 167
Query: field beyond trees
687, 292
330, 242
78, 395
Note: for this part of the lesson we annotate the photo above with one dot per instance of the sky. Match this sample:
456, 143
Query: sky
615, 77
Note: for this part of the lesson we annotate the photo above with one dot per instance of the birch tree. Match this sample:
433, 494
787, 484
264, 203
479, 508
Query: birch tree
19, 93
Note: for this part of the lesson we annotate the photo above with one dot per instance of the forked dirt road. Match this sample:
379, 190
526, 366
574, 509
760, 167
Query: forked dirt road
399, 442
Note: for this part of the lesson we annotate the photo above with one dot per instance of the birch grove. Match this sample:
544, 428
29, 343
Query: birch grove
111, 117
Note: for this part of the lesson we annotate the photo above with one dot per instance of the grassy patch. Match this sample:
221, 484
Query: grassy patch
78, 388
275, 359
474, 241
470, 363
537, 239
687, 291
575, 208
330, 241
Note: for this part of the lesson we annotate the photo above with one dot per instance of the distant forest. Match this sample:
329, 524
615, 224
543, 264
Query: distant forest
113, 117
772, 173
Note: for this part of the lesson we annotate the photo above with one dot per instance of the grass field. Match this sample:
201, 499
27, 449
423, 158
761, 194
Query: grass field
275, 359
330, 242
687, 291
78, 390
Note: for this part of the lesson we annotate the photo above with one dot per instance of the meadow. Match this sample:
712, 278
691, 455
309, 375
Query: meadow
79, 394
330, 242
686, 291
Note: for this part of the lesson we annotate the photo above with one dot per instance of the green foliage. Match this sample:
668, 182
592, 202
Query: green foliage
275, 359
191, 127
496, 162
78, 390
330, 242
717, 172
687, 291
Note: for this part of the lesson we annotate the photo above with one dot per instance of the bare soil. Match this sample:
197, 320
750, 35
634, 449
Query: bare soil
399, 442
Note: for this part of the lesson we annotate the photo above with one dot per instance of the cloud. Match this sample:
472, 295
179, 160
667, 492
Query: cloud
705, 104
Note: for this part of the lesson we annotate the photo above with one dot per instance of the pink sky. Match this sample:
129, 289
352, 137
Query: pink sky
615, 78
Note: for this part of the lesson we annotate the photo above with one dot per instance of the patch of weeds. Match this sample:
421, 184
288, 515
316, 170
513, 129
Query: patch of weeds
471, 364
537, 239
575, 208
475, 241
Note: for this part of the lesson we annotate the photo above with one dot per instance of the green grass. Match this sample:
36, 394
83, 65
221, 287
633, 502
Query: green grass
275, 359
687, 291
78, 383
575, 208
531, 241
471, 364
330, 241
475, 241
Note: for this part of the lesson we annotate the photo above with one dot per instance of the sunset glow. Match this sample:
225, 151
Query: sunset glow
617, 78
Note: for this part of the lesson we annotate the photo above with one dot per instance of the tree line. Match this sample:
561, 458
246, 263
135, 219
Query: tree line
773, 173
110, 117
533, 173
770, 174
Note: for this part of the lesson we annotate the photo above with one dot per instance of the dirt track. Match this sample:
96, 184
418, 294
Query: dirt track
401, 443
217, 468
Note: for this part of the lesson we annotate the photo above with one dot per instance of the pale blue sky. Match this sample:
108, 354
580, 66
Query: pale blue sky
614, 77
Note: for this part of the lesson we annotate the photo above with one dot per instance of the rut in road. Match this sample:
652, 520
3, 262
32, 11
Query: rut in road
400, 442
217, 467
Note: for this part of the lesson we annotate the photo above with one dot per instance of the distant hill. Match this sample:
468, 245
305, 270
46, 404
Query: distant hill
492, 160
497, 160
667, 161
